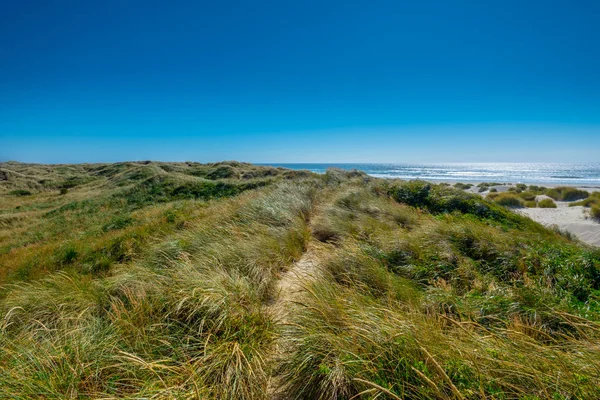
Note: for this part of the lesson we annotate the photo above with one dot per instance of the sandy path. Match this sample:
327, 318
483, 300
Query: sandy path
291, 284
289, 289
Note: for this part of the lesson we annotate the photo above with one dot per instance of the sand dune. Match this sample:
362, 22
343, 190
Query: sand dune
573, 219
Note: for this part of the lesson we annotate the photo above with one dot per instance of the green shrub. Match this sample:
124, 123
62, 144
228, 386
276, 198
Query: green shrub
493, 190
414, 193
531, 203
547, 203
64, 191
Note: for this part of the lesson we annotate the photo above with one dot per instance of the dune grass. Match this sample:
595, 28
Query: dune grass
566, 193
595, 212
146, 284
547, 203
510, 200
592, 200
186, 320
437, 306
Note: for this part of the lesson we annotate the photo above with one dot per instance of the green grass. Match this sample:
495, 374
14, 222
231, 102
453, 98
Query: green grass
463, 186
507, 200
527, 196
157, 280
595, 212
547, 203
565, 193
592, 200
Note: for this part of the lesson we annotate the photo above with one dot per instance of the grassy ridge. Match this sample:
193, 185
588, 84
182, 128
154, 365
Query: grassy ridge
110, 211
154, 280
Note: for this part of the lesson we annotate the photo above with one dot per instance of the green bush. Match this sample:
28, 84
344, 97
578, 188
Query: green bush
531, 203
414, 193
547, 203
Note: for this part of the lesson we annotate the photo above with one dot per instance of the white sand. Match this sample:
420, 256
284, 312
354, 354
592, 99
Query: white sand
573, 219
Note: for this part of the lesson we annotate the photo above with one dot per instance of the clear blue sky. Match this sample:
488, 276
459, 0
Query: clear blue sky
300, 81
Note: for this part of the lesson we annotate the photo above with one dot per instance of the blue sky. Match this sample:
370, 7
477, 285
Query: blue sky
300, 81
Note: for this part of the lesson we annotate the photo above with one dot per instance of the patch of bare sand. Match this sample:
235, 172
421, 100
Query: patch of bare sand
288, 291
572, 219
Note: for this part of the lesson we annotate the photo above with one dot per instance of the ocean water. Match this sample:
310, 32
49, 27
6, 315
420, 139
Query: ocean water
561, 174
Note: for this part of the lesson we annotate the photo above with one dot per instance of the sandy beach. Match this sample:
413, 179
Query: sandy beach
573, 219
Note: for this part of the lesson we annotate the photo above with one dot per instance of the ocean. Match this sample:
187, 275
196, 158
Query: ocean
536, 173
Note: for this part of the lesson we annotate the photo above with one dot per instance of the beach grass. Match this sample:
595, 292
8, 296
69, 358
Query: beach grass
565, 193
159, 280
511, 200
595, 212
547, 203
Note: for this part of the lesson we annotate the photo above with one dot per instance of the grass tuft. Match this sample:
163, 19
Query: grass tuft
547, 203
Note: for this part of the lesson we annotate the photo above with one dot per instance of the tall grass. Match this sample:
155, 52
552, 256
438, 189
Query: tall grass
507, 200
442, 308
423, 291
547, 203
565, 193
187, 320
595, 212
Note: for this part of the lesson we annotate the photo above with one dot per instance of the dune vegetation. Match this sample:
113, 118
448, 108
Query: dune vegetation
234, 281
507, 199
547, 203
595, 212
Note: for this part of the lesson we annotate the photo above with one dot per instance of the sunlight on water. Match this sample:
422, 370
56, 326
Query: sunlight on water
568, 174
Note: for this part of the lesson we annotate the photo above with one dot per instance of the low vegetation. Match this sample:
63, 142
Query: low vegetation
595, 212
485, 186
156, 280
565, 193
592, 200
463, 186
547, 203
507, 199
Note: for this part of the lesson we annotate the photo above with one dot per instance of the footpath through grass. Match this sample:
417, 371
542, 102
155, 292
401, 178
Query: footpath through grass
145, 285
